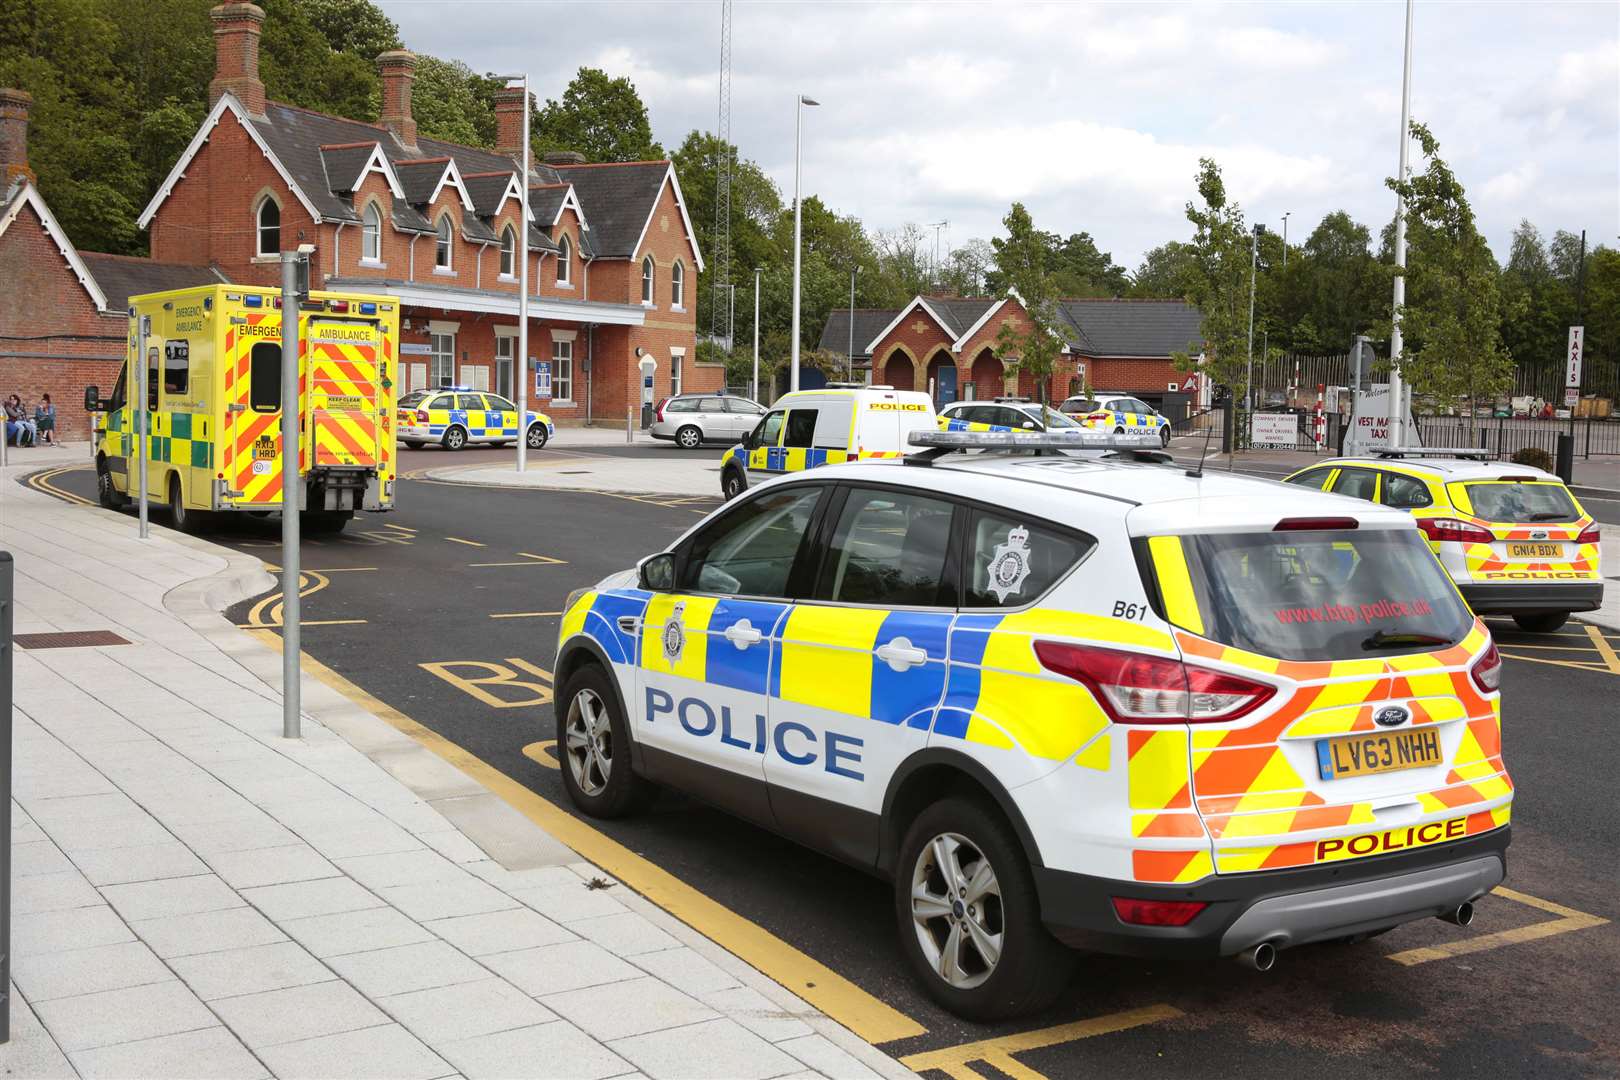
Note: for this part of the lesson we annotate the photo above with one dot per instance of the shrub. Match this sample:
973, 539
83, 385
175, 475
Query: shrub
1535, 457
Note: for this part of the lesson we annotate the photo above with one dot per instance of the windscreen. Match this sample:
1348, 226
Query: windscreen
1324, 595
413, 399
1519, 502
1054, 419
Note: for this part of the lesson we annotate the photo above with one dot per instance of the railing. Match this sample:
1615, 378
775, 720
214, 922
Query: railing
1506, 435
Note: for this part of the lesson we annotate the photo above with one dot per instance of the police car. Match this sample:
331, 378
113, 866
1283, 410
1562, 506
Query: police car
1059, 699
1110, 410
806, 429
1003, 414
454, 416
1514, 539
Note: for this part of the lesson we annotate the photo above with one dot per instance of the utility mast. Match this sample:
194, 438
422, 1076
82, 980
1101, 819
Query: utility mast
720, 326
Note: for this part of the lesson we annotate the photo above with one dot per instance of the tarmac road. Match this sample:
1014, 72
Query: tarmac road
446, 611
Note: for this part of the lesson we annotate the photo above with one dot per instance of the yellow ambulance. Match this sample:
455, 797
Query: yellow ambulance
213, 391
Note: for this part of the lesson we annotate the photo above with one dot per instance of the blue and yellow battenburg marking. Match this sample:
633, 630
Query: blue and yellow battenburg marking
785, 459
948, 423
479, 423
1125, 420
828, 658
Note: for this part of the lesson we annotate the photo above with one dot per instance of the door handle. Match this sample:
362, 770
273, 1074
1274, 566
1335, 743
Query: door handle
629, 624
742, 635
900, 654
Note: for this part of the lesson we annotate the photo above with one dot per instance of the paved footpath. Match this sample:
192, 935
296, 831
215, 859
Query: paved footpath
196, 896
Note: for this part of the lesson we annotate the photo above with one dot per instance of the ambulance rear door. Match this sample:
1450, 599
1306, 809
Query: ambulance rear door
346, 404
250, 453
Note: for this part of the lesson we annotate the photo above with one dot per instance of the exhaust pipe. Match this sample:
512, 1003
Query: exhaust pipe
1461, 915
1261, 957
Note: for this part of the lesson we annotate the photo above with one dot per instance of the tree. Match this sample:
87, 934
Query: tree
1216, 280
452, 102
1537, 305
1452, 319
1340, 286
965, 270
1021, 264
601, 117
1079, 269
353, 26
1163, 273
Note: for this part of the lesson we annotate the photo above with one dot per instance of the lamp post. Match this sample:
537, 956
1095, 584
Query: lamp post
1285, 238
1397, 414
798, 113
756, 333
523, 291
849, 358
1248, 370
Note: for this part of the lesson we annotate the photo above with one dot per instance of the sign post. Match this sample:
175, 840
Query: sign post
1572, 370
294, 280
142, 418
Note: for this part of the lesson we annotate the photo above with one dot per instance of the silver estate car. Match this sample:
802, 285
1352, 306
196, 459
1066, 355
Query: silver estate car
690, 420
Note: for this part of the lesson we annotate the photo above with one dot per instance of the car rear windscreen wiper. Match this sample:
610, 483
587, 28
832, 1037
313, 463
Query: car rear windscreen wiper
1386, 639
1553, 515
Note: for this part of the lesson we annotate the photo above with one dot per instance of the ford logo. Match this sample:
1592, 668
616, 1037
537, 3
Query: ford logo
1538, 534
1391, 716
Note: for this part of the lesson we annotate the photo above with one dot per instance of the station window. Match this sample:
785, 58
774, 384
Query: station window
269, 227
264, 377
508, 252
647, 280
565, 260
441, 249
562, 370
371, 234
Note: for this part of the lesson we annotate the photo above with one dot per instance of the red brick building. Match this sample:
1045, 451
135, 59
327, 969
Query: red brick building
949, 343
613, 259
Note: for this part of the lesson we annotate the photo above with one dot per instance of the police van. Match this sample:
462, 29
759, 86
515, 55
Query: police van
806, 429
1057, 698
213, 395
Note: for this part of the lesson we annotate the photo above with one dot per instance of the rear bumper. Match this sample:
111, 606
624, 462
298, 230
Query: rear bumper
1506, 599
1284, 907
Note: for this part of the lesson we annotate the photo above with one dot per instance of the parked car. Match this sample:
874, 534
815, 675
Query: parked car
690, 420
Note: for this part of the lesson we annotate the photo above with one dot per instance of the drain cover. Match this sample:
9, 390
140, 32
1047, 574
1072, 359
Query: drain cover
71, 639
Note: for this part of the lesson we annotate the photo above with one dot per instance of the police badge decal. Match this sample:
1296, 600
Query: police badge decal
674, 634
1009, 565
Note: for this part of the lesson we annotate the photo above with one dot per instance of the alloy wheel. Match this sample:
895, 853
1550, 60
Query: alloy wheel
589, 738
956, 910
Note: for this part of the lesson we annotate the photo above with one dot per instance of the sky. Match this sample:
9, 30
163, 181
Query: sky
1095, 115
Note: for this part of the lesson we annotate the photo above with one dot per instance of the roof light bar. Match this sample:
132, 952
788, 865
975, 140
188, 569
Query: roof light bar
1034, 440
1470, 452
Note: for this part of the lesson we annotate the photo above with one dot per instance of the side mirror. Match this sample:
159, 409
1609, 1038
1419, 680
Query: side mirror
656, 573
1029, 425
92, 400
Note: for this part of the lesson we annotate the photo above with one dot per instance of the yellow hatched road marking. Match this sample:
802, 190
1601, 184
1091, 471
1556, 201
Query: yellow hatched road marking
533, 560
954, 1060
1568, 920
459, 540
872, 1019
1604, 649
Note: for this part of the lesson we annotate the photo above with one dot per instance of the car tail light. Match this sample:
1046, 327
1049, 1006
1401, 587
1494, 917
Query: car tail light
1487, 670
1590, 535
1450, 529
1137, 689
1157, 912
1311, 524
421, 416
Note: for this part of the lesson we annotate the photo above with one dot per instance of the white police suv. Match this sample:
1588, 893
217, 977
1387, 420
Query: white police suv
1056, 697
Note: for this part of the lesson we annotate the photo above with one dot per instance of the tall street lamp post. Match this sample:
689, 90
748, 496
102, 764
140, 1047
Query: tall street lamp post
1397, 411
849, 366
798, 114
1285, 238
522, 365
1248, 370
756, 333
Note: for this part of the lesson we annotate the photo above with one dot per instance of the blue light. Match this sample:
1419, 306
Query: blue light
252, 301
368, 309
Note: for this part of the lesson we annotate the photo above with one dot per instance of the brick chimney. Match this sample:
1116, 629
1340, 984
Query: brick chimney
398, 69
236, 55
14, 136
509, 121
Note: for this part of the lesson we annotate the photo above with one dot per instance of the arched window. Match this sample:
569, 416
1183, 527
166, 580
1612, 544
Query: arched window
647, 280
565, 261
508, 251
441, 252
677, 285
268, 220
371, 234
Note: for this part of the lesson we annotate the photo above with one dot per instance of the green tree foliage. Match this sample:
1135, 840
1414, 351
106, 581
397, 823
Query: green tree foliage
1077, 267
1022, 266
452, 102
600, 117
1335, 287
1163, 272
1216, 279
1452, 317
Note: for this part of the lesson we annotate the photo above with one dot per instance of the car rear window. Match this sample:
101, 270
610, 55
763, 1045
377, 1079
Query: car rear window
1516, 501
1324, 594
1079, 405
413, 398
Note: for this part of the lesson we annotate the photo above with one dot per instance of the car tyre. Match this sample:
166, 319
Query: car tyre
593, 747
688, 438
1164, 437
964, 848
325, 522
455, 438
412, 444
1542, 622
1118, 430
536, 437
732, 483
106, 494
181, 516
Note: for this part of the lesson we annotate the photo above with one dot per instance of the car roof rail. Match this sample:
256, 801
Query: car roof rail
937, 444
1469, 453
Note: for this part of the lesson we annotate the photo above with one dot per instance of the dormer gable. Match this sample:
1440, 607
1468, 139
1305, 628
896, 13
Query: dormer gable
424, 178
348, 164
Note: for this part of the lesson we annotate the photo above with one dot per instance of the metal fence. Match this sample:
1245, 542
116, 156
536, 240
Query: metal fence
1507, 435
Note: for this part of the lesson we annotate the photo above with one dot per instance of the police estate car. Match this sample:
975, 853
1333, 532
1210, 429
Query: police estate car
1110, 410
1060, 700
1003, 414
806, 429
454, 416
1514, 538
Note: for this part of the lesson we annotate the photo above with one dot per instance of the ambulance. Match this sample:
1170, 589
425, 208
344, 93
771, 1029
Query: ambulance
213, 391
